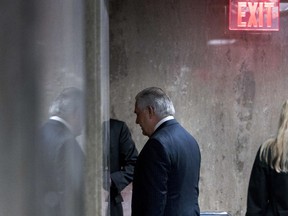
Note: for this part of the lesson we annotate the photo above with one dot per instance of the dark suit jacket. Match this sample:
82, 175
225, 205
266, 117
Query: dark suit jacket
59, 176
267, 191
123, 156
166, 175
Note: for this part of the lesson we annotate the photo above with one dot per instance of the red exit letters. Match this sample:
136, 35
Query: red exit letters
254, 15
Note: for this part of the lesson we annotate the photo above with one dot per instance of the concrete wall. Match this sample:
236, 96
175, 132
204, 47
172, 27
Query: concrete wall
227, 95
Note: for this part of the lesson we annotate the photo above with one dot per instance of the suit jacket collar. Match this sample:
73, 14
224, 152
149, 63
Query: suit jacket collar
60, 124
57, 118
165, 124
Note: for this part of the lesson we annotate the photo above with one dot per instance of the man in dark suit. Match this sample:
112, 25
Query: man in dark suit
167, 171
123, 156
59, 159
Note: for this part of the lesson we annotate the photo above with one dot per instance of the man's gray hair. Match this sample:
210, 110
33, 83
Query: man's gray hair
68, 101
156, 98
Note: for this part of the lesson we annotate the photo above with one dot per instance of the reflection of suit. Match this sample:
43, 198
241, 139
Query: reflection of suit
267, 191
59, 174
166, 174
123, 155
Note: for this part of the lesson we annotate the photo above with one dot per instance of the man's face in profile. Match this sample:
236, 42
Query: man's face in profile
143, 119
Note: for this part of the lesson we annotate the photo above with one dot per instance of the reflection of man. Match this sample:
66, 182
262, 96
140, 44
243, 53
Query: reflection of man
166, 174
123, 156
60, 159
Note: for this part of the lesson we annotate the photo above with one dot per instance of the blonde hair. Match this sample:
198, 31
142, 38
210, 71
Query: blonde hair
275, 151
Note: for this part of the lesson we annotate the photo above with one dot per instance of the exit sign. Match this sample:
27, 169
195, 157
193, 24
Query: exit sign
254, 15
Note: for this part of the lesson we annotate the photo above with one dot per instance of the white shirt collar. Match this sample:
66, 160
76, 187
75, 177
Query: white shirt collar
162, 121
57, 118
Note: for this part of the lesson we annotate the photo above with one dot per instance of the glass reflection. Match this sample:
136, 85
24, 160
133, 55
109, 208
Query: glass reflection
59, 157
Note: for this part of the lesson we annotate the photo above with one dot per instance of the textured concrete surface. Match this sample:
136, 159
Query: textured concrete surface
227, 95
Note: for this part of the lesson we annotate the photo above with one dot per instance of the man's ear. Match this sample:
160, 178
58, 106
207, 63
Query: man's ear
151, 111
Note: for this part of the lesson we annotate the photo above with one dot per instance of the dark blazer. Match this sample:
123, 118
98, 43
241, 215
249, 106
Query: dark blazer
267, 191
123, 156
59, 171
166, 174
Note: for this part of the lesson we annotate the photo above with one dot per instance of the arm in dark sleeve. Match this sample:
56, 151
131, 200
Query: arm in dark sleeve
128, 157
63, 178
257, 199
69, 179
154, 178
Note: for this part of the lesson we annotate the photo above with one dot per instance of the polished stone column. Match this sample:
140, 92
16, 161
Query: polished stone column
30, 35
18, 107
97, 91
